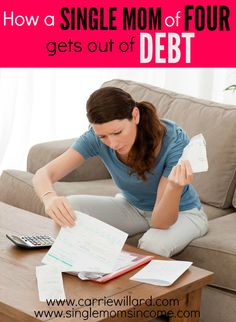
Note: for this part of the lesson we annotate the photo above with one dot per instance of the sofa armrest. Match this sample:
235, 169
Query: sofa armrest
41, 154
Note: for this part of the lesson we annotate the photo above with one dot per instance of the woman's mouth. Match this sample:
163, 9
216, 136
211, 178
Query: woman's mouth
120, 148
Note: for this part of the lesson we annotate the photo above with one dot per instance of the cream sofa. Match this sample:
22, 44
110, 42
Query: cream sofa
217, 250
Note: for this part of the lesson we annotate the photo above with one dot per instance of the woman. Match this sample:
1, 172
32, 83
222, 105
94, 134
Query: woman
141, 153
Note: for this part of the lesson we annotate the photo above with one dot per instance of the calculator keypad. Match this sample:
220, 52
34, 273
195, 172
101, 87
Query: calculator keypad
38, 241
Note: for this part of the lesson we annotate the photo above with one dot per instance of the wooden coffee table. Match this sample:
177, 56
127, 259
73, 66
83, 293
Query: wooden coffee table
118, 300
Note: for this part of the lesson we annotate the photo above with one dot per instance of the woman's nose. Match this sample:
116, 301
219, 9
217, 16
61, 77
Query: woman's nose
113, 143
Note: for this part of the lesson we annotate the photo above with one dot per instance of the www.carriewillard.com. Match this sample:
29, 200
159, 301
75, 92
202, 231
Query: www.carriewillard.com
164, 47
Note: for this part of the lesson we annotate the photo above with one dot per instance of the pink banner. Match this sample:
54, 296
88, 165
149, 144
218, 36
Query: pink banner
117, 33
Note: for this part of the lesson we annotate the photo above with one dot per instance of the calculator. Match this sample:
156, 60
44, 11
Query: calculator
30, 242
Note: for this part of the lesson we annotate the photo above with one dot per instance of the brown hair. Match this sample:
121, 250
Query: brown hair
112, 103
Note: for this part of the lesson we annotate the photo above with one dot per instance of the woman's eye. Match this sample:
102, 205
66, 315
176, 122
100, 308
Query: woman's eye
117, 133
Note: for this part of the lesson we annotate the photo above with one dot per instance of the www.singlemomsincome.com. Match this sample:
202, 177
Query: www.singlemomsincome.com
91, 308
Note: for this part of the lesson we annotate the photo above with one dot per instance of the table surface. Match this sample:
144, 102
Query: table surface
19, 294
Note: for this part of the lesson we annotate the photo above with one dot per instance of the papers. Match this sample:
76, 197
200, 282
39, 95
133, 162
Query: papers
123, 260
195, 153
126, 262
161, 272
91, 246
50, 284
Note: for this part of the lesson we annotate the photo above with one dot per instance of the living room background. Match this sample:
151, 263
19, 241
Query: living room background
39, 105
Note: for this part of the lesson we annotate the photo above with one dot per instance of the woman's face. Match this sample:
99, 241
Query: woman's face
119, 135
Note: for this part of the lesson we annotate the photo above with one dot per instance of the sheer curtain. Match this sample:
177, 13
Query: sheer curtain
38, 105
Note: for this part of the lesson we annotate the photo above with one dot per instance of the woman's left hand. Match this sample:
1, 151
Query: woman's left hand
181, 174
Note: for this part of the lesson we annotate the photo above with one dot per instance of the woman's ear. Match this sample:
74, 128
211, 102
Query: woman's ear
136, 115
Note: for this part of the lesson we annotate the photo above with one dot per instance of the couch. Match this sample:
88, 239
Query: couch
217, 188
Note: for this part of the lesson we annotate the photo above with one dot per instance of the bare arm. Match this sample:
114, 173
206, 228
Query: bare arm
166, 209
56, 207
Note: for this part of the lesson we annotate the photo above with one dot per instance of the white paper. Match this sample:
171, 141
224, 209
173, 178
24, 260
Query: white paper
50, 283
195, 153
124, 260
91, 246
161, 272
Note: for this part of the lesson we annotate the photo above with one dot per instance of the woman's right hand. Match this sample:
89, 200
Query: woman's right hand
60, 210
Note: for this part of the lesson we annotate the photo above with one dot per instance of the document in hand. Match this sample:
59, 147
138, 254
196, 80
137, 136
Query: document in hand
91, 246
195, 153
161, 272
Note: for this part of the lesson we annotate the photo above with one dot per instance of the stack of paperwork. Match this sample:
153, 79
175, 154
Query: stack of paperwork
90, 246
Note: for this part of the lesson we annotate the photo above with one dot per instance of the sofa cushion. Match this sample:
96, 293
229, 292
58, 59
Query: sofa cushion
215, 121
16, 186
211, 212
234, 199
214, 212
217, 305
216, 251
42, 153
